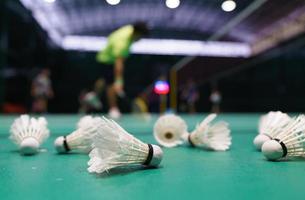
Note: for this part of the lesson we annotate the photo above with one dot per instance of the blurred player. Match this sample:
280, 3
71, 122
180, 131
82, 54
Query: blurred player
215, 99
90, 101
189, 96
114, 55
41, 91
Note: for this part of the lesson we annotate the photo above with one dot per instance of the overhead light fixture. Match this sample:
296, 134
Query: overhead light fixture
172, 4
162, 46
50, 1
228, 6
113, 2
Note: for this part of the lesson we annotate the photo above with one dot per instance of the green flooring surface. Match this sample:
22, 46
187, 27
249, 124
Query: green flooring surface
185, 173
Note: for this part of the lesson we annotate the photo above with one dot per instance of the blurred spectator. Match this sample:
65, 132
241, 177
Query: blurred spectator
215, 99
114, 55
189, 97
41, 91
90, 101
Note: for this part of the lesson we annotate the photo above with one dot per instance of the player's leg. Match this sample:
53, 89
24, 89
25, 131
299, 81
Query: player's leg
114, 111
39, 105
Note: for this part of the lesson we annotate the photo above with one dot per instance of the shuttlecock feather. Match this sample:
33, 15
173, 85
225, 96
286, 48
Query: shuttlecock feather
115, 147
28, 133
211, 136
84, 121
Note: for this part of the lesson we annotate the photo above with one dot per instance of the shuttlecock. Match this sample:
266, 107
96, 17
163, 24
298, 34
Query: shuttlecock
28, 133
84, 121
267, 125
79, 140
115, 147
170, 130
211, 136
289, 142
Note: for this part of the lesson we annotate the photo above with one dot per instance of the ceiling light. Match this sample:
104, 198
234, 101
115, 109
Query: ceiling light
228, 6
113, 2
172, 3
50, 1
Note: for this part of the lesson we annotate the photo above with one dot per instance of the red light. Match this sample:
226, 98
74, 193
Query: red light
161, 87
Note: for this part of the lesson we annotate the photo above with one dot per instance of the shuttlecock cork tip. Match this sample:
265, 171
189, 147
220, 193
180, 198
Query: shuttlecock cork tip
61, 145
166, 138
29, 146
155, 156
274, 150
260, 140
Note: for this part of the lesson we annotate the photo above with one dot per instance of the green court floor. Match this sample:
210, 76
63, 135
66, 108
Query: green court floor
185, 173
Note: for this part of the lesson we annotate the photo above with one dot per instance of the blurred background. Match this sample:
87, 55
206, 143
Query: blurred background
200, 55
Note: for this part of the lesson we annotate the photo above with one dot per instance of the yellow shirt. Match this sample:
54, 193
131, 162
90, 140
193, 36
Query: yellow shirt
118, 45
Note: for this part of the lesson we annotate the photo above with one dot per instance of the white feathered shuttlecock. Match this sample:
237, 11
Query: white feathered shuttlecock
28, 133
94, 157
170, 130
115, 147
289, 141
84, 121
267, 125
211, 136
79, 140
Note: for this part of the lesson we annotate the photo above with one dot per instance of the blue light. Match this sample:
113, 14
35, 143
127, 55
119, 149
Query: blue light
161, 87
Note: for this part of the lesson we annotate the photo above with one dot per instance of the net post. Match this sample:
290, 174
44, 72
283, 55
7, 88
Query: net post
173, 90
